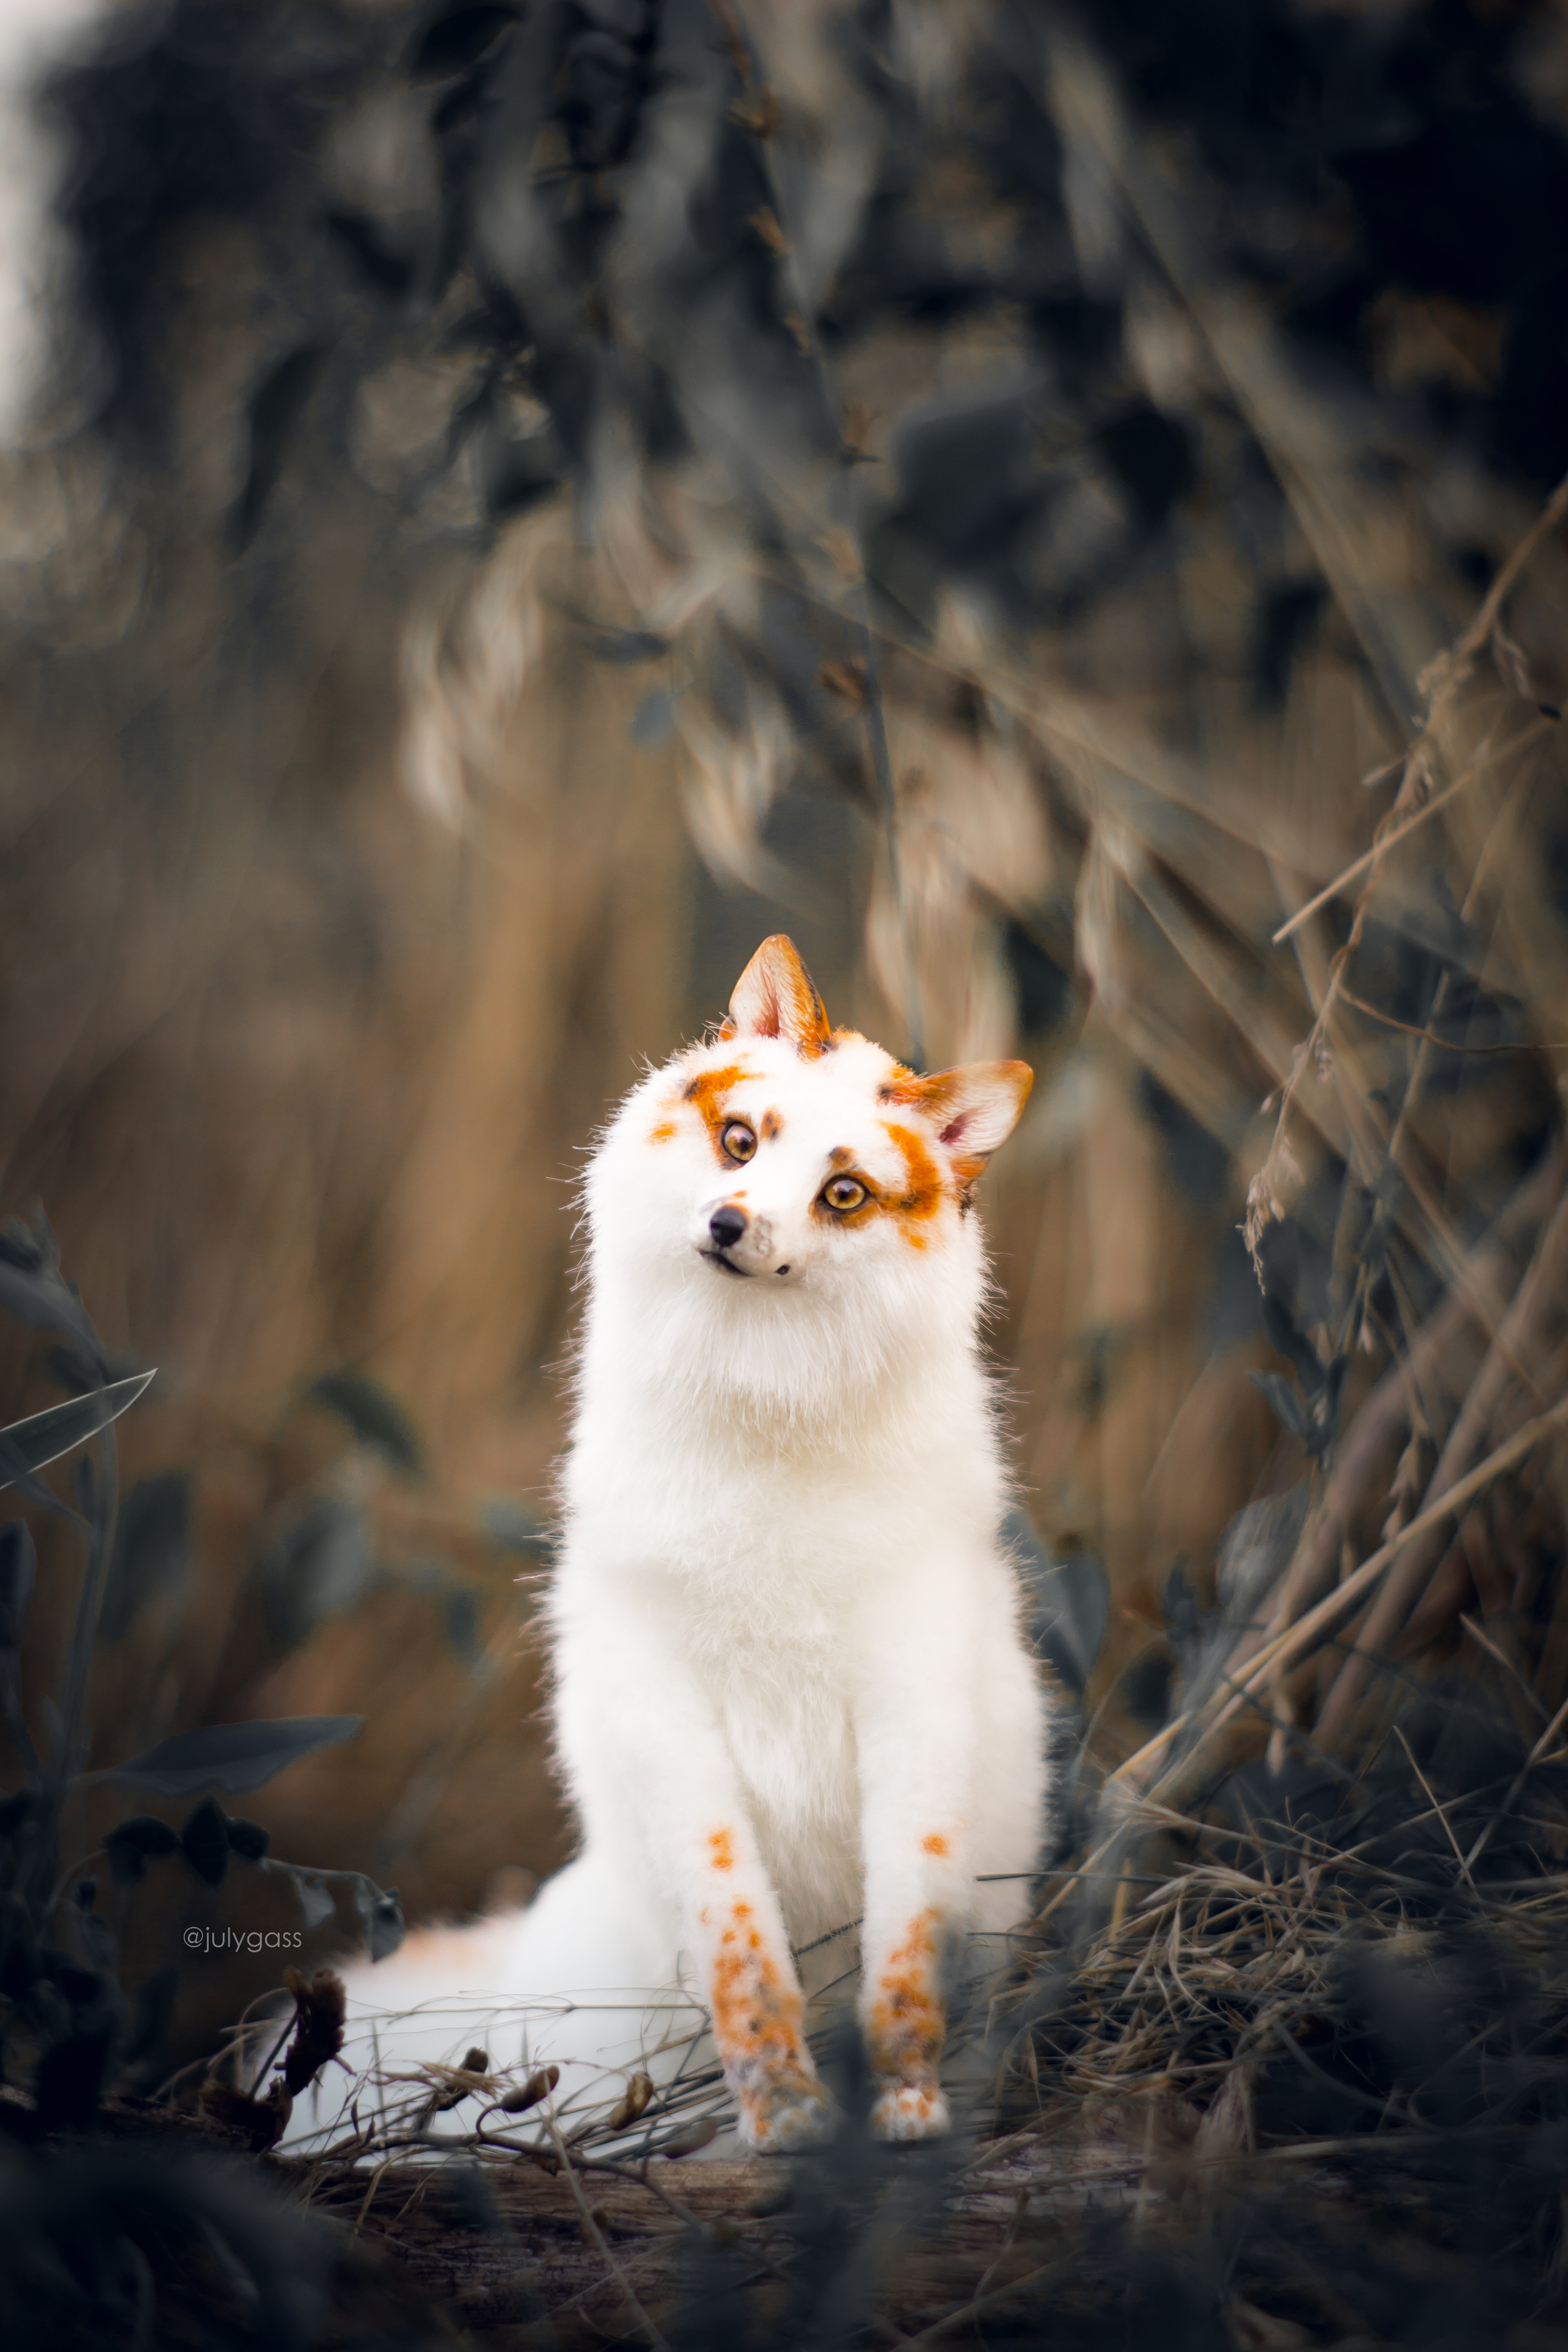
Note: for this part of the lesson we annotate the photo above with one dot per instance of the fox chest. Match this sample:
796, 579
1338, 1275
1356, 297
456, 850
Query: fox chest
782, 1691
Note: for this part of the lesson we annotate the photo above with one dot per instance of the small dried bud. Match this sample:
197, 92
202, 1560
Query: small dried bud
539, 2086
638, 2092
695, 2136
319, 2005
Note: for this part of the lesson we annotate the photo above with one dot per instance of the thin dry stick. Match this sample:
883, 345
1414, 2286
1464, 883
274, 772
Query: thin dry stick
1317, 1554
972, 2310
1300, 1639
1500, 1657
1437, 1808
1393, 1605
1448, 1044
1387, 841
661, 2342
1525, 1769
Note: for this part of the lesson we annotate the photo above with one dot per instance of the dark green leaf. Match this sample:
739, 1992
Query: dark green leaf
204, 1841
316, 1905
320, 1563
233, 1755
383, 1923
132, 1844
33, 1288
248, 1839
375, 1415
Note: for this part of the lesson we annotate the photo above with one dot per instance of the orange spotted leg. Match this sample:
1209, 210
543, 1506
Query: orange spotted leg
916, 1751
755, 1997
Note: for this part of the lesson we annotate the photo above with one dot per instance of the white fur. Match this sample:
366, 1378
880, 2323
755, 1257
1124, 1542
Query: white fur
779, 1618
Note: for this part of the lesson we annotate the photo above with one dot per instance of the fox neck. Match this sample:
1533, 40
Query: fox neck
718, 1366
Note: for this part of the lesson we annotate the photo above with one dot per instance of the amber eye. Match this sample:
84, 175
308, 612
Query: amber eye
738, 1139
843, 1193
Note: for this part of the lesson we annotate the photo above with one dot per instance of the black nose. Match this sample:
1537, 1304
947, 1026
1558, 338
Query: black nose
726, 1225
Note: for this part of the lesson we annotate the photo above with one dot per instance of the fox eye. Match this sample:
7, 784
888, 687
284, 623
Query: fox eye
738, 1139
844, 1193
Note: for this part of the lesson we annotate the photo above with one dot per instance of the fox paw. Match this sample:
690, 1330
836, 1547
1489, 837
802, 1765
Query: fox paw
911, 2111
795, 2113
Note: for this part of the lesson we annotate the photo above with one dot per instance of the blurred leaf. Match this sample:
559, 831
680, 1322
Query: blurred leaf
1071, 1601
248, 1839
152, 1548
133, 1843
382, 1915
374, 1413
319, 1564
275, 407
33, 1289
238, 1757
204, 1841
463, 1630
27, 1445
316, 1903
449, 43
18, 1563
1288, 1406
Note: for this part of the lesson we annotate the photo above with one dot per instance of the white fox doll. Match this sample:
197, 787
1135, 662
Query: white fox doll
791, 1691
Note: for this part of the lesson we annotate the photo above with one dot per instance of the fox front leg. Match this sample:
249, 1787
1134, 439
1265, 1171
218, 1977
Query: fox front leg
917, 1739
754, 1995
673, 1801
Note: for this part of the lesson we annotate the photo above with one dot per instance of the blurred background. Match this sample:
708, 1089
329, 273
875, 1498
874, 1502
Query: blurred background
501, 506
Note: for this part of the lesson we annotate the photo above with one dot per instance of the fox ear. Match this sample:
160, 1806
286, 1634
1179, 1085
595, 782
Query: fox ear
774, 998
976, 1107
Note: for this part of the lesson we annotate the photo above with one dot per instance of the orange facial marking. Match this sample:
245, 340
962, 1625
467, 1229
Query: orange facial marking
907, 2020
934, 1845
721, 1851
924, 1188
708, 1092
771, 1125
663, 1131
709, 1087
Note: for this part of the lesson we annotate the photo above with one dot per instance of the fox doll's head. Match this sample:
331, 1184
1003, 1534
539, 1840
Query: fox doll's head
785, 1208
